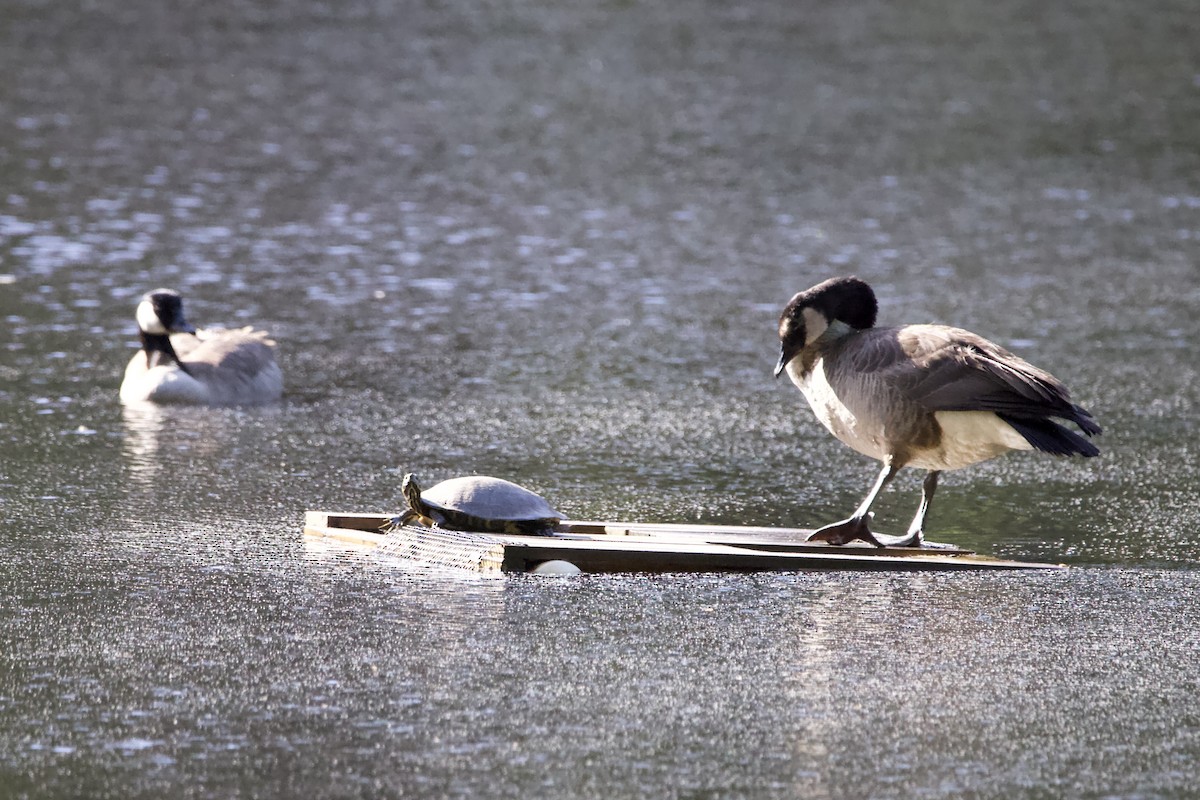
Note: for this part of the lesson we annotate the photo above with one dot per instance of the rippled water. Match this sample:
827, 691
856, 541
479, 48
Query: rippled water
549, 242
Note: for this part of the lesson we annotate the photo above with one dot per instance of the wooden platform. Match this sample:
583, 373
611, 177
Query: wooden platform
643, 547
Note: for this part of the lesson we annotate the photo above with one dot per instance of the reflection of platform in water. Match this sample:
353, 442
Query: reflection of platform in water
643, 547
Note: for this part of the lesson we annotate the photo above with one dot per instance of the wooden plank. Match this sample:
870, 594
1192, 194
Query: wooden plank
663, 554
761, 538
648, 547
362, 529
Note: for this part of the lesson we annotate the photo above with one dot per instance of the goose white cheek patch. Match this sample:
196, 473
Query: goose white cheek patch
814, 325
147, 320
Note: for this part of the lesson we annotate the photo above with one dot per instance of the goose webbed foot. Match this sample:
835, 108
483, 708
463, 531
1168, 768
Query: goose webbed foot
846, 531
858, 529
909, 539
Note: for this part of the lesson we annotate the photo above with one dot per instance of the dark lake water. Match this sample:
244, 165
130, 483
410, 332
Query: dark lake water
550, 241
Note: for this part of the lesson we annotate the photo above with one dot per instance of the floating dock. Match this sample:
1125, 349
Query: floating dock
643, 547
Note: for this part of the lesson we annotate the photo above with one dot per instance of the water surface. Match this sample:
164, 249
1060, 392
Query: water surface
550, 242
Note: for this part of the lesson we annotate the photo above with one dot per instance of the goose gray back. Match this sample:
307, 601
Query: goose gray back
932, 397
179, 364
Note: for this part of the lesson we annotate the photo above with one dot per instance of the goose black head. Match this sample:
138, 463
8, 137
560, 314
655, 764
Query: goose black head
161, 313
158, 316
810, 314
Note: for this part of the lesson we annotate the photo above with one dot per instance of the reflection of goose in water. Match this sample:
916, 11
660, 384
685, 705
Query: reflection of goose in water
165, 446
178, 364
163, 438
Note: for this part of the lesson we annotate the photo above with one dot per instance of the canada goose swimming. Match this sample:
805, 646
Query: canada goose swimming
927, 396
198, 367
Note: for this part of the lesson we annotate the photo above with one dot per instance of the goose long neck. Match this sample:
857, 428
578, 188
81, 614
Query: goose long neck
836, 331
829, 339
159, 350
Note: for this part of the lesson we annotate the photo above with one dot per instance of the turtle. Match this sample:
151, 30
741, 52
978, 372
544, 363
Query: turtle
478, 503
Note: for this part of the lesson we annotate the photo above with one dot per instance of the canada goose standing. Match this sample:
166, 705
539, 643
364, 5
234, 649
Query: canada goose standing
178, 364
927, 396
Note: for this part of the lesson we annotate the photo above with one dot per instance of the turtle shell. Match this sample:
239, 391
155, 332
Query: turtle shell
482, 503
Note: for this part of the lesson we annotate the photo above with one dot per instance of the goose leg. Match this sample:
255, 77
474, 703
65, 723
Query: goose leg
856, 527
916, 530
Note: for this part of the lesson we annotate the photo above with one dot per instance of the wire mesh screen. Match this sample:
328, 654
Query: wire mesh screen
445, 548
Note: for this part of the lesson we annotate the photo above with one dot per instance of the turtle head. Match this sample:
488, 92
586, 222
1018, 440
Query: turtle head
412, 493
418, 510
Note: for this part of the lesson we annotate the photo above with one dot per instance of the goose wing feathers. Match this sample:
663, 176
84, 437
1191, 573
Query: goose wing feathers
235, 365
949, 369
242, 349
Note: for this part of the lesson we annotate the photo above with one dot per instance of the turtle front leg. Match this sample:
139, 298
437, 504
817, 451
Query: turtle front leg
409, 517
